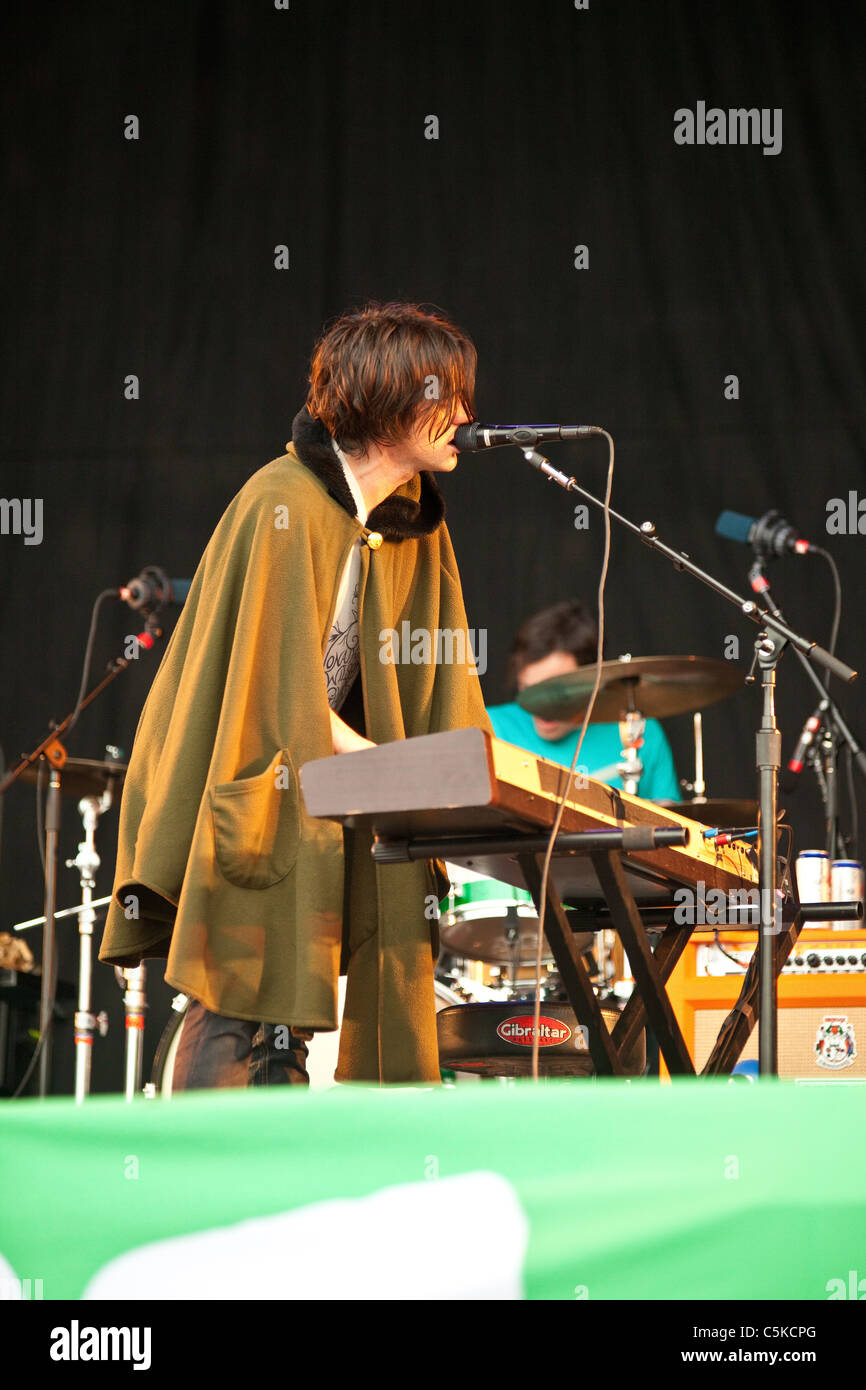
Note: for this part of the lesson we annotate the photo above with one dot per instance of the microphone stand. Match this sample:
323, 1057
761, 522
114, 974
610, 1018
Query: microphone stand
832, 737
53, 750
773, 637
831, 794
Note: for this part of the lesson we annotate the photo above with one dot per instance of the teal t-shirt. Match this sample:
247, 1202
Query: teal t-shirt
600, 753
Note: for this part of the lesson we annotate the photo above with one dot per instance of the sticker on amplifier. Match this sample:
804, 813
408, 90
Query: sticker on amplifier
519, 1030
835, 1044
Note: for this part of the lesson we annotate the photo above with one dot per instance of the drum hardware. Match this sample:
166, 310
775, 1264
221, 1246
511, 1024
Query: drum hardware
134, 1008
606, 965
700, 786
85, 776
58, 916
483, 919
502, 984
720, 812
632, 690
472, 982
87, 862
52, 751
495, 1040
631, 732
99, 781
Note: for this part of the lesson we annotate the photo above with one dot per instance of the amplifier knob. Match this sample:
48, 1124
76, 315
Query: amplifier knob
840, 960
798, 960
852, 960
813, 960
828, 960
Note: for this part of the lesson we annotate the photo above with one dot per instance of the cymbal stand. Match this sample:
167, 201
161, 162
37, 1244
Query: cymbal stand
700, 786
697, 790
631, 731
87, 862
49, 941
133, 983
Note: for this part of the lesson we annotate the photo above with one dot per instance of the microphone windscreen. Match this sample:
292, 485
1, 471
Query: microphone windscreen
734, 526
180, 590
466, 436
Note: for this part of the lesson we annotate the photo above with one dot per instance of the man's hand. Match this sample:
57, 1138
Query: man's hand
345, 739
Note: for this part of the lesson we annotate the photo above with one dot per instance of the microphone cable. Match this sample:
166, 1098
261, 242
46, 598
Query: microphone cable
545, 872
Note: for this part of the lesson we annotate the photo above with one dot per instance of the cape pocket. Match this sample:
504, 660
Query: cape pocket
256, 825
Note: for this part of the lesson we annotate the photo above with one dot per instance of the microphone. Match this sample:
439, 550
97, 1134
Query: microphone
810, 729
151, 590
769, 534
470, 438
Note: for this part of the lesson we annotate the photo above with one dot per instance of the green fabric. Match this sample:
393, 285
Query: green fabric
629, 1190
601, 748
219, 866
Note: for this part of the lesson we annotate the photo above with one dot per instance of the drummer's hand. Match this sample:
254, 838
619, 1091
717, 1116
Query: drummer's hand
345, 740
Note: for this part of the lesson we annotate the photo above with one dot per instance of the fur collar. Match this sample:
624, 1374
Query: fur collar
415, 509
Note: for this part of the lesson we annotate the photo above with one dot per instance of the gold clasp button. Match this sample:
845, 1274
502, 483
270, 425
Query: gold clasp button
374, 540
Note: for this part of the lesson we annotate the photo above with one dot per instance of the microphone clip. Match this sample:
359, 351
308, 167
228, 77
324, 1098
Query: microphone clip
544, 466
149, 592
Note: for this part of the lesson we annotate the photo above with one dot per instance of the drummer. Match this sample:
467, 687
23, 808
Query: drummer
552, 642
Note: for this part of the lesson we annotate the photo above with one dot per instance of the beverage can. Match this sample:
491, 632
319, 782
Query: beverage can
813, 876
846, 886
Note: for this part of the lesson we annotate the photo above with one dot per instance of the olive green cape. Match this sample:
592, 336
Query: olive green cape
219, 867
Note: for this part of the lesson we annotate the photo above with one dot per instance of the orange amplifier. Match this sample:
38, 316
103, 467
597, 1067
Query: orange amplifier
822, 1000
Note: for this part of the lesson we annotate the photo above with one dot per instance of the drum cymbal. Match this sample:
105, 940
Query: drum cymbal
80, 776
715, 810
656, 686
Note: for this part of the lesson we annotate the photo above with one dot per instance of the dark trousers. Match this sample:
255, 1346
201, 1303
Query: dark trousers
217, 1051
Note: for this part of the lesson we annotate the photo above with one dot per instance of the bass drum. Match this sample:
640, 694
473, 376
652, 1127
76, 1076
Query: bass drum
323, 1050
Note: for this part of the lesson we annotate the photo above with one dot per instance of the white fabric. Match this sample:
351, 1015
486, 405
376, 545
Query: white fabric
390, 1246
342, 655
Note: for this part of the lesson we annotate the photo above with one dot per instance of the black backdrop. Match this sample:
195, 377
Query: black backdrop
305, 126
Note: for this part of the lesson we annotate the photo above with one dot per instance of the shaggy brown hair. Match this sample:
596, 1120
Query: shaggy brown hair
567, 626
378, 372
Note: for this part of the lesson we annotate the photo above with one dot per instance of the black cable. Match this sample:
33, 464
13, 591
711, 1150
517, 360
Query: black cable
40, 821
852, 796
587, 718
82, 691
784, 873
88, 656
719, 947
40, 812
837, 605
43, 1035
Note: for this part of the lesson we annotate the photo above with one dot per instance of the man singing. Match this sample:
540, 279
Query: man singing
278, 659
